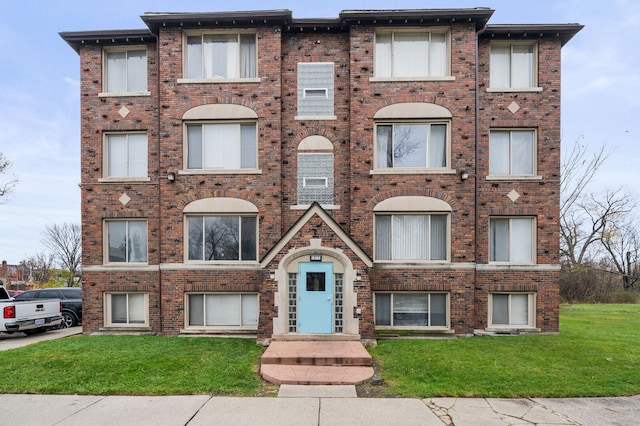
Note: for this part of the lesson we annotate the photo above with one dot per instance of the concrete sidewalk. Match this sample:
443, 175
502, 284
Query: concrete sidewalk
314, 405
303, 405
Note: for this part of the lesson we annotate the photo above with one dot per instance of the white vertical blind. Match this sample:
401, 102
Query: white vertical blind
438, 55
519, 309
500, 68
249, 309
438, 146
136, 308
136, 71
521, 240
522, 66
411, 234
137, 155
116, 72
522, 152
223, 309
117, 155
499, 240
499, 153
410, 52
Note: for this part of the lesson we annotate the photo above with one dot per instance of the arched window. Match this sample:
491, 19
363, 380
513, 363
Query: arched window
413, 137
315, 171
221, 229
412, 228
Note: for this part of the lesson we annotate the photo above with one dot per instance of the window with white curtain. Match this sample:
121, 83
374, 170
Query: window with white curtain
511, 240
513, 66
512, 310
126, 241
222, 310
222, 146
126, 309
220, 56
512, 152
411, 309
412, 54
412, 145
126, 71
126, 155
411, 236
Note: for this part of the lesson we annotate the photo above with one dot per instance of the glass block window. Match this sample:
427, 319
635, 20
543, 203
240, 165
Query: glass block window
339, 305
315, 178
293, 303
315, 89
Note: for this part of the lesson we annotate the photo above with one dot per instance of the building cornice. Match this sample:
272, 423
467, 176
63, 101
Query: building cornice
564, 32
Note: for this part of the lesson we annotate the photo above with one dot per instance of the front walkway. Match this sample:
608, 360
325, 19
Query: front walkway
316, 363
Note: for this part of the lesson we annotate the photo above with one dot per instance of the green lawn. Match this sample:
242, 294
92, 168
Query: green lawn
597, 353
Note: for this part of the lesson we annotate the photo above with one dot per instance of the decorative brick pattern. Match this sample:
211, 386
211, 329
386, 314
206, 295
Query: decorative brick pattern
275, 188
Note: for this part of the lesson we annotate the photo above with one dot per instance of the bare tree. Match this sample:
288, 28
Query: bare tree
39, 267
6, 186
579, 226
65, 243
621, 240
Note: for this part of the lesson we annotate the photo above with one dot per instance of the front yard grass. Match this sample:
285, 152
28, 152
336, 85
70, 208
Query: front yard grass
597, 353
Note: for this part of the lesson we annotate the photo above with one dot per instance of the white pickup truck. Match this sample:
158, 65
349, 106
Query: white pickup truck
31, 316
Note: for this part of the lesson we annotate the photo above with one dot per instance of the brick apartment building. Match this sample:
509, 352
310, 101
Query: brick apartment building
390, 171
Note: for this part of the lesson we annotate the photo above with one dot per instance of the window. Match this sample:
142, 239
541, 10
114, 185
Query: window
411, 237
411, 309
127, 241
126, 71
220, 238
511, 240
512, 310
221, 56
512, 152
126, 309
419, 54
222, 146
315, 178
315, 89
222, 310
513, 66
411, 145
126, 155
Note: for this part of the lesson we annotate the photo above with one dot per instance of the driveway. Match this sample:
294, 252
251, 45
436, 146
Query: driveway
18, 340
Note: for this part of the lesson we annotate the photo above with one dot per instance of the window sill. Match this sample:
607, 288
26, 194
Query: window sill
121, 267
509, 90
416, 264
124, 179
412, 171
193, 172
324, 206
315, 117
514, 177
219, 330
126, 328
409, 79
198, 266
506, 330
218, 80
119, 95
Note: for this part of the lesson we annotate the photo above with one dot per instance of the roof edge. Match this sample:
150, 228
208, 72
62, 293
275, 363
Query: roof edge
563, 31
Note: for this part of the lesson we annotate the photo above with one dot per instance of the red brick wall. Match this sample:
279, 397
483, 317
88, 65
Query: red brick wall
357, 191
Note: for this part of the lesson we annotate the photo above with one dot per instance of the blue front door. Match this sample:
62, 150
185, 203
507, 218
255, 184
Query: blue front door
315, 297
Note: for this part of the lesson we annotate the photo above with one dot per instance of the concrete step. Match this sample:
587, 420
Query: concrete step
342, 353
315, 374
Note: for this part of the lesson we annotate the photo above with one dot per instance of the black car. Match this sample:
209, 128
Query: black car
71, 298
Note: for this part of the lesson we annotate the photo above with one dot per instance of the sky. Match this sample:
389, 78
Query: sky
40, 93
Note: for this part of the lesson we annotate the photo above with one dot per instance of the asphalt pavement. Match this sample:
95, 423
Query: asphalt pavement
304, 405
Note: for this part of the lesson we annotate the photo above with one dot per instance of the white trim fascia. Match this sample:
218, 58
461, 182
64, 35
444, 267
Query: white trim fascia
521, 267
